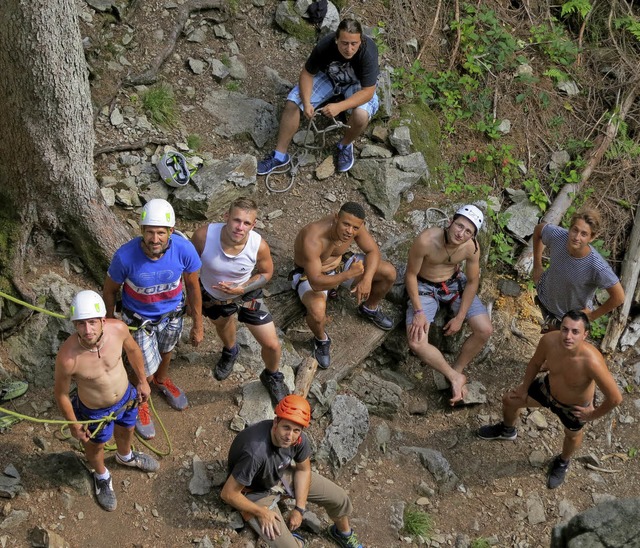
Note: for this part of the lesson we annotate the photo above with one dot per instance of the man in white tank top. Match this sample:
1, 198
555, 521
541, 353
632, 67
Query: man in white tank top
236, 265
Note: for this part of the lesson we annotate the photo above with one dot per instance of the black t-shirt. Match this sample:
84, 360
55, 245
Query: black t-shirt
258, 464
363, 65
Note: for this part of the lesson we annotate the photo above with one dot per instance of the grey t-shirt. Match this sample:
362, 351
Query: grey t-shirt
571, 282
258, 464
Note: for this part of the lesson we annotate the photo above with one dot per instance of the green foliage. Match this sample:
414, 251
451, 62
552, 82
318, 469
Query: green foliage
623, 145
599, 246
556, 74
581, 7
632, 452
485, 45
502, 244
418, 523
456, 183
480, 543
630, 24
160, 104
233, 85
378, 33
536, 193
599, 327
554, 43
194, 141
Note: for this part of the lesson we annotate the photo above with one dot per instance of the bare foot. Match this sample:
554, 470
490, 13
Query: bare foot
458, 389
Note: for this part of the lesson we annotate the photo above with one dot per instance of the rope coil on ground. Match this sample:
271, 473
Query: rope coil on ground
293, 166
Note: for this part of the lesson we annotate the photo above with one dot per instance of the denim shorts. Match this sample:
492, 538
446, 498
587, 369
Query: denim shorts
322, 92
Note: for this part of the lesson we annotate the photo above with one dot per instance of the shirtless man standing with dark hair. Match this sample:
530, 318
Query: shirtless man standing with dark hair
575, 367
324, 263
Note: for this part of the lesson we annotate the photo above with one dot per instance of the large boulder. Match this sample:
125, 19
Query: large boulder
612, 524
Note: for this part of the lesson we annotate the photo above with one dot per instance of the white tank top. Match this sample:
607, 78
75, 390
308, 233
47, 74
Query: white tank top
217, 266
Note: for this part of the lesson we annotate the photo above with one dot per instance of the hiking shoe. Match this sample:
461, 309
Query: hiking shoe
498, 432
143, 461
269, 163
275, 385
377, 317
346, 542
144, 424
303, 543
11, 390
224, 367
321, 352
105, 494
344, 158
557, 472
175, 397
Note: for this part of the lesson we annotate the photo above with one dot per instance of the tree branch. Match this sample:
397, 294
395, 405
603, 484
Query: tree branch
184, 11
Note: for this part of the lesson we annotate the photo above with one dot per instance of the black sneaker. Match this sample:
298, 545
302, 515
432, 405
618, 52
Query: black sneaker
498, 432
224, 367
321, 352
557, 472
377, 317
105, 494
275, 385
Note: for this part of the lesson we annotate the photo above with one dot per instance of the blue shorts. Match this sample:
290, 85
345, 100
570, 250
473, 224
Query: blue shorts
155, 340
432, 295
126, 418
322, 92
301, 285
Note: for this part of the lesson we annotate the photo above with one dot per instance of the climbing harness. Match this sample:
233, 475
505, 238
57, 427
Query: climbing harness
293, 166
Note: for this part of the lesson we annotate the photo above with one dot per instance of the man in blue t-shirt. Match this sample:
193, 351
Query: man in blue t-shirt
576, 271
150, 269
343, 67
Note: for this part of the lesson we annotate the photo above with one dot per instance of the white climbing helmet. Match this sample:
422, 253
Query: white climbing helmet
86, 305
157, 212
472, 213
174, 169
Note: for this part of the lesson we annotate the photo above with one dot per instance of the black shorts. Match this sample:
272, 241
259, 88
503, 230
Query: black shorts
250, 308
540, 391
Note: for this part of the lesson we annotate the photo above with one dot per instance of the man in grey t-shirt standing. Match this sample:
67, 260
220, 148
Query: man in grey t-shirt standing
576, 270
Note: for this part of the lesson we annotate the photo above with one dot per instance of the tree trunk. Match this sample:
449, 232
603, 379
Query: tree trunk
47, 181
629, 278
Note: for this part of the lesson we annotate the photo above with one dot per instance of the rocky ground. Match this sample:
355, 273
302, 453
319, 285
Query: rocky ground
419, 454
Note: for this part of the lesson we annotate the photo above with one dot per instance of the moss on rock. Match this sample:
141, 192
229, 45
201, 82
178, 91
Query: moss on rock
425, 131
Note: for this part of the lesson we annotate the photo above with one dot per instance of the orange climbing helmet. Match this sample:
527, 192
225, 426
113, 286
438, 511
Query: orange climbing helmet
294, 408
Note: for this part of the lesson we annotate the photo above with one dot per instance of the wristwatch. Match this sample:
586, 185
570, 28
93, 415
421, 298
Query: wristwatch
301, 510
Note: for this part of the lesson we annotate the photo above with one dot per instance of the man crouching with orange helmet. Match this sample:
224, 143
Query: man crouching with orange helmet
270, 460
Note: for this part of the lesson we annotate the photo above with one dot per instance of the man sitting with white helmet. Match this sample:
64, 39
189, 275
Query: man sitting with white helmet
150, 269
433, 277
92, 357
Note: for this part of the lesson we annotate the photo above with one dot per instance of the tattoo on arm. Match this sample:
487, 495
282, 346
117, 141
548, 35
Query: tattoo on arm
257, 283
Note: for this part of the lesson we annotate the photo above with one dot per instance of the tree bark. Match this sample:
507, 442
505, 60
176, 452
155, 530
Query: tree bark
629, 279
47, 181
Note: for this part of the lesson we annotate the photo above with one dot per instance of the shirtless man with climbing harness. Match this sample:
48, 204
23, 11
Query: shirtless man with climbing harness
323, 262
434, 276
92, 357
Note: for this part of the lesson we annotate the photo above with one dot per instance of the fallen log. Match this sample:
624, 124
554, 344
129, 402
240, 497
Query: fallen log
305, 375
